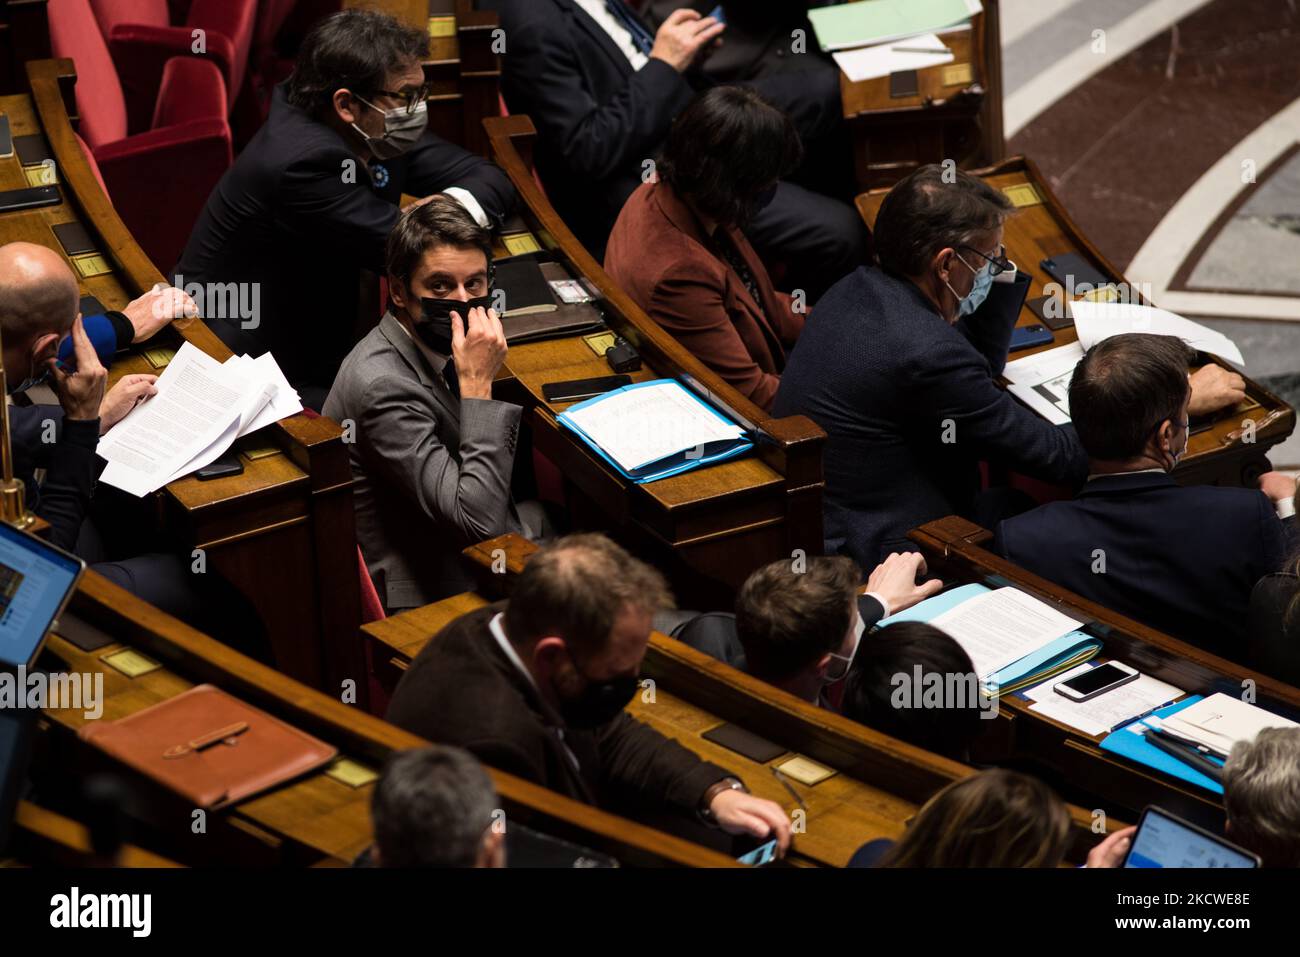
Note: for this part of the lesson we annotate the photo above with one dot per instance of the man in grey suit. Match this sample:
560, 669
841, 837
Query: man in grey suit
432, 452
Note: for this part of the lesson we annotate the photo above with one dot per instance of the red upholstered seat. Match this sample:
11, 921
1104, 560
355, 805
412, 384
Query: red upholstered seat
142, 37
157, 174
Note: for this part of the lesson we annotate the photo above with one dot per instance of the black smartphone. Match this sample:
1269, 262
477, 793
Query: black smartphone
228, 464
1073, 271
33, 197
579, 389
1026, 337
6, 137
1052, 311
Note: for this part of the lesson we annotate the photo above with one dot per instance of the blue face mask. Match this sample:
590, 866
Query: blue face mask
978, 292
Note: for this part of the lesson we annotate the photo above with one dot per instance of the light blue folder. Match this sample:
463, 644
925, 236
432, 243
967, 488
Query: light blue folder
1130, 742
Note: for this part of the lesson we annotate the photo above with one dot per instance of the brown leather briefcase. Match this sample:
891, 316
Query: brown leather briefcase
209, 747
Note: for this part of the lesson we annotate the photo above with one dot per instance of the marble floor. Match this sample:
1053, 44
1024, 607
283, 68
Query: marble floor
1171, 131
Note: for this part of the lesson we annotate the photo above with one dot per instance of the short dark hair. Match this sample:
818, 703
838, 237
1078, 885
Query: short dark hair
1124, 388
786, 618
431, 808
442, 221
352, 49
725, 149
899, 649
930, 209
576, 587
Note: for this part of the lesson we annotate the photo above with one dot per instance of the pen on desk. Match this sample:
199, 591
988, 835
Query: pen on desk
785, 782
919, 49
1192, 759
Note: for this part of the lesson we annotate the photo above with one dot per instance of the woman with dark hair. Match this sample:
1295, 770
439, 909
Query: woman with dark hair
679, 248
995, 818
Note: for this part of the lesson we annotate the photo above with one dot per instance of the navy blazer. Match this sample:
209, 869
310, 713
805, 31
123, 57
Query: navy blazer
1181, 560
597, 119
293, 220
910, 405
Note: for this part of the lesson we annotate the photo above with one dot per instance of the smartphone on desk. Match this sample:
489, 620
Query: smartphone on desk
1096, 681
578, 389
1026, 337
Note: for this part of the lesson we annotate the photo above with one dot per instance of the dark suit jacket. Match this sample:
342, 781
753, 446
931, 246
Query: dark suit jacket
661, 256
757, 40
462, 689
286, 217
597, 119
1274, 634
70, 464
910, 406
1182, 560
431, 471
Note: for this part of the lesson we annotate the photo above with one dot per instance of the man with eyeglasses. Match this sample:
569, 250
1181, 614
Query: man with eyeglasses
312, 199
899, 364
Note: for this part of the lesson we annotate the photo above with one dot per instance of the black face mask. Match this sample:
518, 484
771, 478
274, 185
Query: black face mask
434, 324
599, 703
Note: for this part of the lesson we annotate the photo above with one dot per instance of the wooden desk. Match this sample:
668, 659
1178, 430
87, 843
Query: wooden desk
42, 838
1219, 455
463, 69
283, 531
24, 35
954, 550
955, 114
881, 781
311, 820
709, 527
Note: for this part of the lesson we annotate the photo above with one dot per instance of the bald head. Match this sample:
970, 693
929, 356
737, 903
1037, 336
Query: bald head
38, 294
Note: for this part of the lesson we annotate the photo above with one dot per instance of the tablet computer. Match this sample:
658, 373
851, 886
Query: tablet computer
1165, 840
36, 582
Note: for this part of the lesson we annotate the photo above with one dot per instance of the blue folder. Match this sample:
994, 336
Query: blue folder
672, 464
1130, 742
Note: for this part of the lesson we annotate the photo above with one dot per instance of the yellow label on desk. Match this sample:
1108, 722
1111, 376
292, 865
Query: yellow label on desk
91, 265
442, 27
350, 773
1023, 194
805, 771
130, 663
600, 342
519, 244
159, 358
261, 452
44, 174
957, 74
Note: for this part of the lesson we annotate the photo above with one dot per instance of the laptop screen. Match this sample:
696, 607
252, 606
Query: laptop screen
36, 580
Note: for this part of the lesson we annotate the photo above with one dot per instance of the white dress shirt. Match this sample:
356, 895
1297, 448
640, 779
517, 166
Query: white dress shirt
620, 34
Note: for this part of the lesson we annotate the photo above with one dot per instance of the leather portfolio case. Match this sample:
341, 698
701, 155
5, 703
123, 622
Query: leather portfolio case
209, 747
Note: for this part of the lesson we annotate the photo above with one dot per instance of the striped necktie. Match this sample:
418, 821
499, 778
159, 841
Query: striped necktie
642, 37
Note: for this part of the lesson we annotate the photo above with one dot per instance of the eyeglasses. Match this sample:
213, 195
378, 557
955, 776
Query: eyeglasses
998, 264
410, 99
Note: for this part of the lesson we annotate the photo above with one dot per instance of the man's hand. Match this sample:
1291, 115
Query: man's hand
1215, 388
80, 392
894, 580
740, 813
129, 392
1111, 852
157, 307
1278, 487
478, 351
683, 36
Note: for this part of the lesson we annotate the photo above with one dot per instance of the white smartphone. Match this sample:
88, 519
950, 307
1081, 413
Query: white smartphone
1096, 681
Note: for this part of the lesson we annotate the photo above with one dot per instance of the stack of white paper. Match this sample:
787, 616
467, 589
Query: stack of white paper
1002, 626
1096, 321
1106, 712
201, 407
1220, 721
1042, 381
909, 53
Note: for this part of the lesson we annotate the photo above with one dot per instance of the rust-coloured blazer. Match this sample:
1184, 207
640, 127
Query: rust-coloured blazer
661, 256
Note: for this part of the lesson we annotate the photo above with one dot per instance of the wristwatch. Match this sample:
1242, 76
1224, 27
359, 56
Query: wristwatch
706, 802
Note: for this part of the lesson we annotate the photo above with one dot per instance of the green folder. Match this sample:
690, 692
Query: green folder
858, 24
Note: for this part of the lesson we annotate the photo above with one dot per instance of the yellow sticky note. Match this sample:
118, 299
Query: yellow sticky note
957, 74
46, 174
159, 358
805, 771
442, 27
600, 342
520, 243
1023, 194
350, 773
130, 663
91, 265
261, 452
1101, 294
